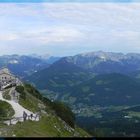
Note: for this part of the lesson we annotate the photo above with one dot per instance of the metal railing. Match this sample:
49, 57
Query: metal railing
18, 119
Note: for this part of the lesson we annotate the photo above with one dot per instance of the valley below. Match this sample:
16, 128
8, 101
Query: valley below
105, 121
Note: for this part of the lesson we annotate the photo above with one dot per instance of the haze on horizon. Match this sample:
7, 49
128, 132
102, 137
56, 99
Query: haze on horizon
69, 28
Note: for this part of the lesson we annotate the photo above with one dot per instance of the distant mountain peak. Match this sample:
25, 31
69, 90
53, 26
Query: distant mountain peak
44, 56
106, 62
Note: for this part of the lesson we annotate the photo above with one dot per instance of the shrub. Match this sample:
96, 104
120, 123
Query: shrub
64, 112
33, 91
20, 90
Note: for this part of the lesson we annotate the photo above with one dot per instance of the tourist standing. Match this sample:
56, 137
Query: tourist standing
31, 116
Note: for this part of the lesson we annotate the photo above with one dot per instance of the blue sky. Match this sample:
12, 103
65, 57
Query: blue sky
69, 28
69, 1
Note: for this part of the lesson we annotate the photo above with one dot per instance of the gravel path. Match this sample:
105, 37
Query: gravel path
18, 109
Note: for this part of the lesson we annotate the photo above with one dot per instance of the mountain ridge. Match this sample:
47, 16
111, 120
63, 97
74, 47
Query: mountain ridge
50, 76
106, 62
93, 84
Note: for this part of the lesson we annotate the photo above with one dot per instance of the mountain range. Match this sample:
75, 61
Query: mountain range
23, 65
93, 84
71, 70
106, 62
95, 62
98, 78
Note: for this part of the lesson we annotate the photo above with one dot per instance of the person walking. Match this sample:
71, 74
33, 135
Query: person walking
31, 116
24, 115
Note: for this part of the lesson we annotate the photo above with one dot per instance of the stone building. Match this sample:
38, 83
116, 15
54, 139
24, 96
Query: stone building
7, 78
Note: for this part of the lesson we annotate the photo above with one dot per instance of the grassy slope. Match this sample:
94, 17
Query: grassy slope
45, 127
30, 103
6, 110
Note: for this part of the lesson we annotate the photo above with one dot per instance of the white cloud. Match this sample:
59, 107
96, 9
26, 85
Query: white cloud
80, 26
8, 37
50, 35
